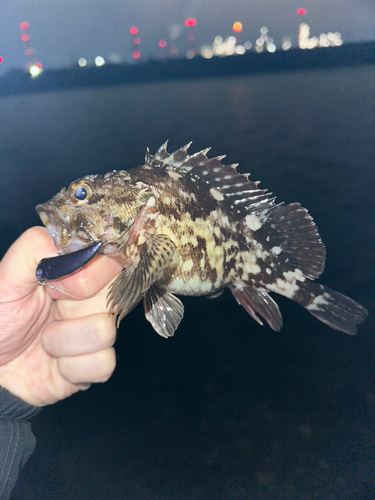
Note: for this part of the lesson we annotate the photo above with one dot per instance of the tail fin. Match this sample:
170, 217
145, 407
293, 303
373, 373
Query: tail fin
330, 307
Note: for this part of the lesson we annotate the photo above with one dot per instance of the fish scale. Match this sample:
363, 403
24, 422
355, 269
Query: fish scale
189, 225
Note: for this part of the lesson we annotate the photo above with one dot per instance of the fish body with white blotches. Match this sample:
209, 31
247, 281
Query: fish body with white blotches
189, 225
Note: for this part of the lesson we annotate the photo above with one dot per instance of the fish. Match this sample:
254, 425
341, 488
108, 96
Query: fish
189, 225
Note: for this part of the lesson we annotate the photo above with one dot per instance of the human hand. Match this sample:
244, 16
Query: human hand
53, 345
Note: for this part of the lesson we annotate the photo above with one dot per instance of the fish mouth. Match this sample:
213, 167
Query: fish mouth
63, 235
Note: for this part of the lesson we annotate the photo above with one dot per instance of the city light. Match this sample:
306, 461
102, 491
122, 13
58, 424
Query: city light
99, 61
136, 54
237, 27
162, 43
24, 38
324, 39
301, 12
82, 62
286, 43
190, 22
133, 30
240, 50
35, 69
24, 25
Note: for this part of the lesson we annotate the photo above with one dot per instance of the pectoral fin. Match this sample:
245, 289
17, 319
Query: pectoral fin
134, 281
163, 310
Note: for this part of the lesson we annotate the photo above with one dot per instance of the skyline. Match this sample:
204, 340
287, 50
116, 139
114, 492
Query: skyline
63, 33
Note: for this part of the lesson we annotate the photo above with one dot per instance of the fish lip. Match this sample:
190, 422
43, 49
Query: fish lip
62, 236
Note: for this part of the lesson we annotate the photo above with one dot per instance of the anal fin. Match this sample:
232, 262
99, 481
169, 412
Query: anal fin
163, 310
258, 301
134, 281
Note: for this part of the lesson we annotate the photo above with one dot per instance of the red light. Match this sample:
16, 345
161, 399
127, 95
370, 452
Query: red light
190, 21
136, 40
162, 43
301, 12
1, 59
133, 30
24, 26
38, 65
136, 54
24, 38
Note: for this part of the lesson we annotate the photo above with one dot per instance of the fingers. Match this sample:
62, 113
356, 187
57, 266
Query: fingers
83, 348
70, 309
88, 368
79, 336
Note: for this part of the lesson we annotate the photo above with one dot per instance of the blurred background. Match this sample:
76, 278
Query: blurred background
226, 409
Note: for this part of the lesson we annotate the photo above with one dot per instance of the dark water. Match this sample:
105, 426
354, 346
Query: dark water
226, 409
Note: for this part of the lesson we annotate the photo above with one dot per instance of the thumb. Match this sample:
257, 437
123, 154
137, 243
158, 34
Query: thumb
18, 266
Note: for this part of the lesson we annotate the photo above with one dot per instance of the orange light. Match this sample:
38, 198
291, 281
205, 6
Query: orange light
133, 30
301, 12
24, 38
162, 43
136, 54
237, 27
136, 40
190, 21
24, 25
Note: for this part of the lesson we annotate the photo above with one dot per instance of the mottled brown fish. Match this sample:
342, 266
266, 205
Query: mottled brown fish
188, 225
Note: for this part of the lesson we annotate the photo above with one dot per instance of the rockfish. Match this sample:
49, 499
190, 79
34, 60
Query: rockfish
189, 225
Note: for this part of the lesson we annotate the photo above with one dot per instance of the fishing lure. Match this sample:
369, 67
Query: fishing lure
61, 266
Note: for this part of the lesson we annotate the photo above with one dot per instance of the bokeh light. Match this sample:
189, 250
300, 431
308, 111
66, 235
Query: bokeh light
99, 61
82, 62
24, 38
190, 22
301, 12
136, 54
35, 70
136, 40
24, 25
133, 30
162, 43
237, 27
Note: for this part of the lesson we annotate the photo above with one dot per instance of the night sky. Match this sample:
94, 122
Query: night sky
62, 32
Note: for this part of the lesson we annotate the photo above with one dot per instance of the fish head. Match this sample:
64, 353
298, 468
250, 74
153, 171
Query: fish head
94, 208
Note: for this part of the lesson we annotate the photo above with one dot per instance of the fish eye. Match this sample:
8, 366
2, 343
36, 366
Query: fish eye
80, 192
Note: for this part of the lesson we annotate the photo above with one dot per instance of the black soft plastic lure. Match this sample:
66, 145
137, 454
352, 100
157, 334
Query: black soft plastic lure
61, 266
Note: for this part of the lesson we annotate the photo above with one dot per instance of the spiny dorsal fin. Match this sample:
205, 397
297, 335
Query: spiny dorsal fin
223, 181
